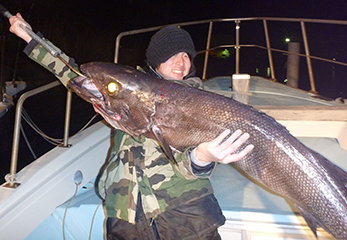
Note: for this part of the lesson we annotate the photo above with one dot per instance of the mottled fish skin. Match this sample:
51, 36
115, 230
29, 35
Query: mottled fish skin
185, 116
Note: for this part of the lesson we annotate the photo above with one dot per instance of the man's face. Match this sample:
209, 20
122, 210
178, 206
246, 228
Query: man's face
176, 67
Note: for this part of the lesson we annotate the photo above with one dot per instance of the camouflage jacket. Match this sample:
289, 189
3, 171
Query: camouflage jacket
53, 64
137, 165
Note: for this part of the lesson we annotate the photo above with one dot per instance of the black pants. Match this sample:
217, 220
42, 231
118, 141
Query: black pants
195, 220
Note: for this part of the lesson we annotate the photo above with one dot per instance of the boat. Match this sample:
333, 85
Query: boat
54, 198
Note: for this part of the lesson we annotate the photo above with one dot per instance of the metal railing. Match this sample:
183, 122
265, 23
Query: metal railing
11, 181
237, 46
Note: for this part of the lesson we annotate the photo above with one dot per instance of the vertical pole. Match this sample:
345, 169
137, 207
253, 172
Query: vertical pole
208, 44
241, 87
67, 118
116, 53
308, 58
293, 64
12, 183
268, 47
237, 47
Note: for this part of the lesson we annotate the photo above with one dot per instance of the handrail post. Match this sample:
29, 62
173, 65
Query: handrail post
116, 51
308, 58
237, 47
208, 44
10, 178
67, 117
268, 47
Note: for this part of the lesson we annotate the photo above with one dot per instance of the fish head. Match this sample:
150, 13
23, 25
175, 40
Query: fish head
119, 94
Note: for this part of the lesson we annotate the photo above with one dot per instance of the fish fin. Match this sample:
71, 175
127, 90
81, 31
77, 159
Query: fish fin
310, 220
163, 143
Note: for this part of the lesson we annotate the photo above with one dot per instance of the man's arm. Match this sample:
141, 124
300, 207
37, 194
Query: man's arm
40, 55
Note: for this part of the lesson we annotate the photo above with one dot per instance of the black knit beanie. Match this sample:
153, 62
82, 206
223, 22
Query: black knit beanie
167, 42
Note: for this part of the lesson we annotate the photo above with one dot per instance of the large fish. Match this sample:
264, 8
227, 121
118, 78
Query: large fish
179, 116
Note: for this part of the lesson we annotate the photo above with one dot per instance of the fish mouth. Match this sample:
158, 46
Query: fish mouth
86, 88
90, 86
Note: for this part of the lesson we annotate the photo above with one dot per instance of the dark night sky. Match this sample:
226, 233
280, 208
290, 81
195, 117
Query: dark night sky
86, 29
114, 16
66, 22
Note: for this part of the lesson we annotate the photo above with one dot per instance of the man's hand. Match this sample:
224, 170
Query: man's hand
223, 152
17, 22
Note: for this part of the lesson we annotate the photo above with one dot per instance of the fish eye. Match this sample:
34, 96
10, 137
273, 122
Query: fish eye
112, 88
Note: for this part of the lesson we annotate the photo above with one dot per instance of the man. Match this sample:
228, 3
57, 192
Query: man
145, 195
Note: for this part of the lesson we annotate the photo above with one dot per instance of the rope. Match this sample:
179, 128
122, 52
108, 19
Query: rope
27, 141
67, 206
51, 140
